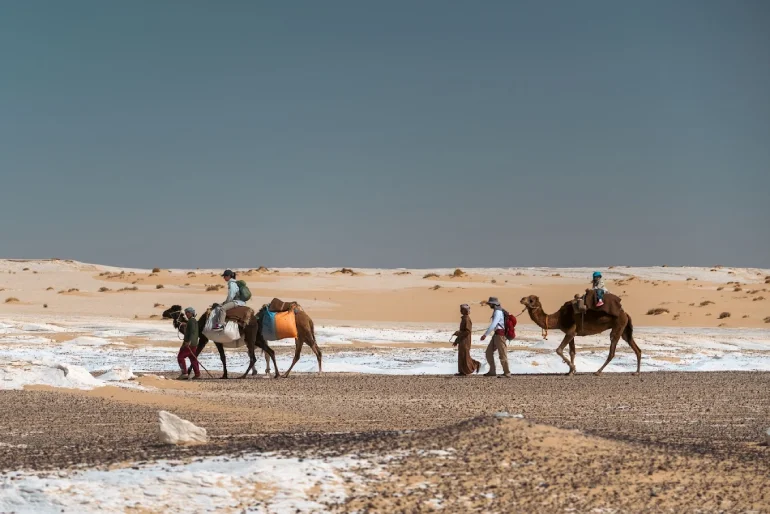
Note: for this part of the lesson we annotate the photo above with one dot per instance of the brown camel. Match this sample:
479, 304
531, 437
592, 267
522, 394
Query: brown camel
305, 335
588, 324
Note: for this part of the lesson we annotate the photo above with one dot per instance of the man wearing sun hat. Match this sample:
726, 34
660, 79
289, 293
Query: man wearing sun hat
497, 329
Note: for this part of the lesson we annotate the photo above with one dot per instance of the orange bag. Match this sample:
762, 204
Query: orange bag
285, 325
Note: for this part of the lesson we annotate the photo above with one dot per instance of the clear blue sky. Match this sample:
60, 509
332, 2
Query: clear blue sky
387, 134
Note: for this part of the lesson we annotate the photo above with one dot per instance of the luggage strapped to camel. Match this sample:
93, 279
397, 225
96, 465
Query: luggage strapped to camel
278, 320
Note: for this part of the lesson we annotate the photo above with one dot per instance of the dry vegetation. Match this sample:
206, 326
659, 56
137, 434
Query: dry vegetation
431, 275
343, 271
159, 286
458, 273
402, 273
724, 315
104, 289
134, 288
156, 270
11, 299
657, 311
435, 288
216, 287
49, 288
706, 302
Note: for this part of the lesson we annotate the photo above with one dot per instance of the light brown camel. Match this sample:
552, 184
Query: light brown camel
305, 335
588, 324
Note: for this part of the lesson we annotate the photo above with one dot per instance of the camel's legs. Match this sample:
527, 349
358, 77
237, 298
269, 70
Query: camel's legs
269, 351
297, 352
637, 351
614, 338
317, 351
221, 350
572, 353
569, 336
252, 357
267, 362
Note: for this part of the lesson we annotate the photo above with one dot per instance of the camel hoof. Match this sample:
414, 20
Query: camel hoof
285, 375
597, 373
223, 377
636, 373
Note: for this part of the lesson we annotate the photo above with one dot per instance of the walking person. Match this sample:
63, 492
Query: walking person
465, 364
190, 343
497, 330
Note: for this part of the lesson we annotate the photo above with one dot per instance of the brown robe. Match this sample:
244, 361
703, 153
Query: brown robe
465, 364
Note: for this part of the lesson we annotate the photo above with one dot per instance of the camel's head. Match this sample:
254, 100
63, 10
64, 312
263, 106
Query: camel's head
531, 302
174, 312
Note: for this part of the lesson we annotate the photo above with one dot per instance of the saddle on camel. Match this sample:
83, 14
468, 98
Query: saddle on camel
287, 320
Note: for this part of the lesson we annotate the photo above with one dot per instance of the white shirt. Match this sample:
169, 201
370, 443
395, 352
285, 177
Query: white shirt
498, 322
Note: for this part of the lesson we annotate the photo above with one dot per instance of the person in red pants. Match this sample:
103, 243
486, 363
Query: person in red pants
187, 351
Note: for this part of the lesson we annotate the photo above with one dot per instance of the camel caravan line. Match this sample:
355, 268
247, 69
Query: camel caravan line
576, 318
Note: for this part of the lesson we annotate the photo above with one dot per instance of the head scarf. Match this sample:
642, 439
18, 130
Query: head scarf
190, 310
466, 308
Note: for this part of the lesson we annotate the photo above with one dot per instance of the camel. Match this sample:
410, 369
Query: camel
588, 324
253, 338
305, 335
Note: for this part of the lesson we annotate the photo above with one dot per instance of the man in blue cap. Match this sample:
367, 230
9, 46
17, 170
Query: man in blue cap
598, 285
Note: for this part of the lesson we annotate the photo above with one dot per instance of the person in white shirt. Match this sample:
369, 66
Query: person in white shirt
497, 330
233, 299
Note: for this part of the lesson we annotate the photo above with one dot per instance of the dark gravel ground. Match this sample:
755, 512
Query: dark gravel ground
661, 438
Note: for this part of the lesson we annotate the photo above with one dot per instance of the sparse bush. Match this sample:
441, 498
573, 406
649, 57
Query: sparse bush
724, 315
73, 290
216, 287
767, 319
431, 275
159, 286
458, 273
187, 284
45, 305
706, 302
758, 299
190, 273
11, 299
158, 305
689, 279
494, 281
104, 289
720, 288
657, 311
556, 274
435, 288
262, 269
25, 269
346, 271
47, 289
129, 289
156, 270
402, 273
737, 290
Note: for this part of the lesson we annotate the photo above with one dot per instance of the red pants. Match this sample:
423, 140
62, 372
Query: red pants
186, 352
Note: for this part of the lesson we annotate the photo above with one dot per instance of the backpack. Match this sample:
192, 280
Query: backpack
243, 290
509, 320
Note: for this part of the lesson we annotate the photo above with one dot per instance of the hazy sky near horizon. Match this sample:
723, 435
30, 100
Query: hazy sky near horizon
386, 134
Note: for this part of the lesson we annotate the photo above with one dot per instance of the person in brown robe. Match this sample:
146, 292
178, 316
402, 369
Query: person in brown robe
465, 364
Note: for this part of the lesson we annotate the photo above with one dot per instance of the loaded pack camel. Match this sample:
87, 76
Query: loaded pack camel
305, 335
590, 323
252, 337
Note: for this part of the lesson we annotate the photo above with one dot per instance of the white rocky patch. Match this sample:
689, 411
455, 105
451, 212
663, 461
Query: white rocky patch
175, 430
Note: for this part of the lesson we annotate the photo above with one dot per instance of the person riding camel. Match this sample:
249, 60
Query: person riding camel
189, 345
496, 327
233, 299
598, 286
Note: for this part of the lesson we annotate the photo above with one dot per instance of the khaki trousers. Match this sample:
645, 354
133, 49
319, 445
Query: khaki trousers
497, 343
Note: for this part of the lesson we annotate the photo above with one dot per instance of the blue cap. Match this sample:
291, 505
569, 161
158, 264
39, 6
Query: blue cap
597, 274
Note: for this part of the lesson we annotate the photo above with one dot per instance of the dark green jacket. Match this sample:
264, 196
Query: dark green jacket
191, 332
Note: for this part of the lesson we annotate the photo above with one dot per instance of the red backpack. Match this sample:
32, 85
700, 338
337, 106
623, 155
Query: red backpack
509, 320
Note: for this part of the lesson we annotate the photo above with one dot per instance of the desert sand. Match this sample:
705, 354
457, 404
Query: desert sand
385, 428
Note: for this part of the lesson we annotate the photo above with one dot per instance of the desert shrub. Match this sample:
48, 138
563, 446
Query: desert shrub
431, 275
494, 281
49, 288
758, 298
187, 284
724, 315
190, 273
104, 289
262, 269
129, 289
25, 269
156, 270
346, 271
214, 287
458, 273
720, 288
706, 302
73, 290
11, 299
45, 305
737, 290
435, 288
657, 311
556, 274
767, 319
159, 286
403, 273
158, 305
